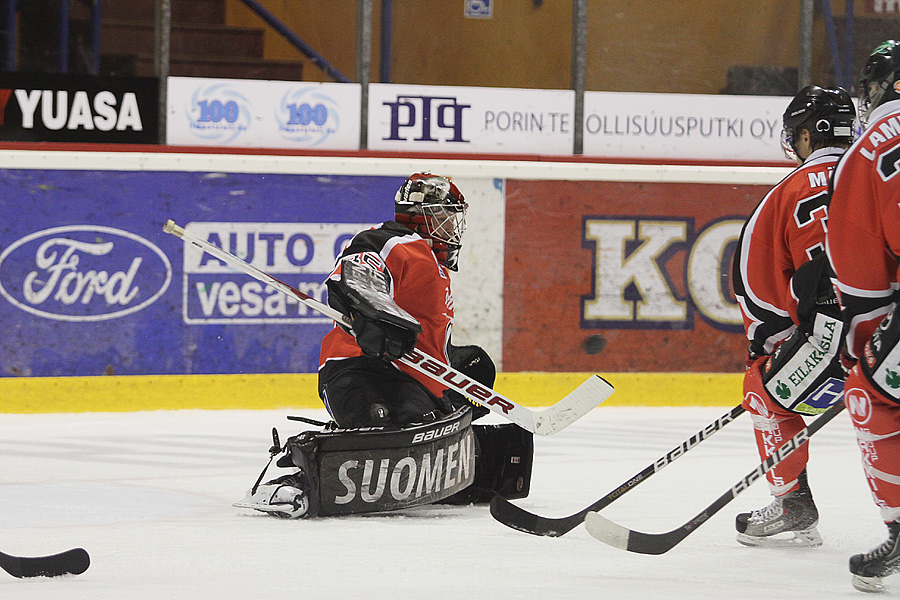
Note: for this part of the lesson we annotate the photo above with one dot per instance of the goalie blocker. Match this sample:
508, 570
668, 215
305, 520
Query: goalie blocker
381, 469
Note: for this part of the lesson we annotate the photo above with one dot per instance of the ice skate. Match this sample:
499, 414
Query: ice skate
286, 497
789, 521
870, 568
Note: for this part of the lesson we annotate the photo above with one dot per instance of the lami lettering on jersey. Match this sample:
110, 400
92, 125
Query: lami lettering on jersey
863, 239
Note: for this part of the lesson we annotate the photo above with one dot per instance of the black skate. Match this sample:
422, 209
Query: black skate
790, 520
868, 569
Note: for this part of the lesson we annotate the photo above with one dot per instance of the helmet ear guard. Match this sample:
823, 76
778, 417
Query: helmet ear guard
827, 114
433, 207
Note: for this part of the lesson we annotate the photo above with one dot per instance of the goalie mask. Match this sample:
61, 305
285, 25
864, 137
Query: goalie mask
433, 207
878, 81
828, 115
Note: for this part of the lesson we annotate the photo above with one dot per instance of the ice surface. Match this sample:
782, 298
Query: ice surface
149, 495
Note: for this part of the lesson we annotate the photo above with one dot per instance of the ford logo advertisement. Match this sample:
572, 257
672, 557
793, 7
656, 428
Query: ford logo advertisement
83, 273
90, 285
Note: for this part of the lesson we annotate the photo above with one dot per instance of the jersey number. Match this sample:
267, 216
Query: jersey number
887, 164
805, 213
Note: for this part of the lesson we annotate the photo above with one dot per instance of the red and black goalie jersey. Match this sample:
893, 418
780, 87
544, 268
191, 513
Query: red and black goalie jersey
418, 284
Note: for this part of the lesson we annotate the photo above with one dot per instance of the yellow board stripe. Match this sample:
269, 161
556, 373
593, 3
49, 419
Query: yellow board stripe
298, 391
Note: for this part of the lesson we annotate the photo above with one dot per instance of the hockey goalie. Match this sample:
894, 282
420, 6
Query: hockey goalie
397, 438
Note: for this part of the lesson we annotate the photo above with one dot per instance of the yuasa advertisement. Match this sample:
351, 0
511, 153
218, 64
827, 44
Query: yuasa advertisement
72, 108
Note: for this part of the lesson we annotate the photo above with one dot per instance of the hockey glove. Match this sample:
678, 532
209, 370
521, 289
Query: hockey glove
382, 328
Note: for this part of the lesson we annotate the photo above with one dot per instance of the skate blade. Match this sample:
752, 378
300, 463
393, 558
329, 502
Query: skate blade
807, 538
869, 584
263, 507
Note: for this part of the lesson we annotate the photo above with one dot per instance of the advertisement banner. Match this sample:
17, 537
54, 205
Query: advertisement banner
90, 284
684, 126
421, 118
263, 114
623, 277
75, 108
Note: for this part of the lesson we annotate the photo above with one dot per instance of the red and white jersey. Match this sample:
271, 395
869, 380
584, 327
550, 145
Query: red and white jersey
785, 230
418, 284
864, 225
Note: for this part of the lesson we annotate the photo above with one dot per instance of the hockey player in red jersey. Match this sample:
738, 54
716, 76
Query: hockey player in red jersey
781, 280
393, 281
358, 380
863, 245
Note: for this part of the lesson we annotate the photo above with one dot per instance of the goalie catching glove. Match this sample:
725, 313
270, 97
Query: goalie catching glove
381, 328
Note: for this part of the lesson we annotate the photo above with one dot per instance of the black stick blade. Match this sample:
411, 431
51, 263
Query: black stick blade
623, 538
70, 562
520, 519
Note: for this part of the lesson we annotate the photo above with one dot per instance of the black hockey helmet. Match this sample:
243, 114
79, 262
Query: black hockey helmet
878, 81
827, 113
433, 207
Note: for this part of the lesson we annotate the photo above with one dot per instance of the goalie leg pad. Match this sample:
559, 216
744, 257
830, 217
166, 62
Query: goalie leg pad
380, 469
503, 462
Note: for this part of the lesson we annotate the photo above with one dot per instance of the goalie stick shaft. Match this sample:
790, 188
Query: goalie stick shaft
70, 562
518, 518
659, 543
553, 419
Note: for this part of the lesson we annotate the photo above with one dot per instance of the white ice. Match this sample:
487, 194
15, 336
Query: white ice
149, 495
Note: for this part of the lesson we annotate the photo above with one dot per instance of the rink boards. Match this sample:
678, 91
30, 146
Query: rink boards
569, 268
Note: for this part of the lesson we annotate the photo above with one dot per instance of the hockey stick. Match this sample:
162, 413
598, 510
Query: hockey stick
518, 518
70, 562
551, 420
659, 543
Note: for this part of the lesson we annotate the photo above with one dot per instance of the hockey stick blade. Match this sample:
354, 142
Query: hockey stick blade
659, 543
551, 420
70, 562
520, 519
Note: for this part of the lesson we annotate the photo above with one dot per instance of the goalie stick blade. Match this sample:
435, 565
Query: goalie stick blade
70, 562
520, 519
659, 543
580, 402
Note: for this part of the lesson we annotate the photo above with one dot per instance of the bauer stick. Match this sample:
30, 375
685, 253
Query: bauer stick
518, 518
70, 562
551, 420
659, 543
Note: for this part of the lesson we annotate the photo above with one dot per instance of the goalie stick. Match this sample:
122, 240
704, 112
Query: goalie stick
518, 518
70, 562
659, 543
553, 419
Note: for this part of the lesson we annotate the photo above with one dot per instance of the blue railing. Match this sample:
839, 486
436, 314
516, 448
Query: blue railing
841, 64
9, 41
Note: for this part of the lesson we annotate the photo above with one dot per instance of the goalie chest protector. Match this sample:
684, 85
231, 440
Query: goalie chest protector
377, 469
